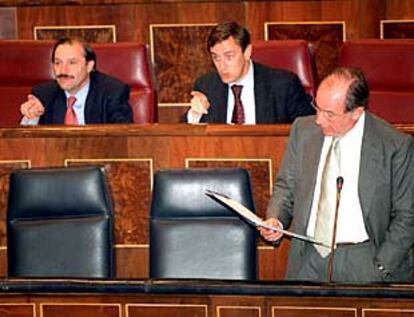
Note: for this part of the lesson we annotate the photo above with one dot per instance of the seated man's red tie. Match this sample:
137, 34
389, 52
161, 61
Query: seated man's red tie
238, 111
70, 116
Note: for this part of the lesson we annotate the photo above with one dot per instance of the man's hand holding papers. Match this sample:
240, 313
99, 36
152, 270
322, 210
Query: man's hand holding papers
271, 228
269, 234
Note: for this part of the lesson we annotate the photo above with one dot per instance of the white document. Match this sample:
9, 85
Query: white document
254, 219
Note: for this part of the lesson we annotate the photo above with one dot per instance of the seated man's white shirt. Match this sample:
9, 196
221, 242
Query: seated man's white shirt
247, 98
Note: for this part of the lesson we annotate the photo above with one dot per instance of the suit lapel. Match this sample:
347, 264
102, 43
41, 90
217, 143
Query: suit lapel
369, 166
221, 106
90, 101
59, 108
259, 96
312, 155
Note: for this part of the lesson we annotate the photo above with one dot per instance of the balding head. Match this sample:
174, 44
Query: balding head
340, 101
351, 83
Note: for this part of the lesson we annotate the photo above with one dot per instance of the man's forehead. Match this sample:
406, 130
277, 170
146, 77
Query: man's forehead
74, 48
335, 87
228, 45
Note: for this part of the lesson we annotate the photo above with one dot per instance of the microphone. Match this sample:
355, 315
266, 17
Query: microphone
339, 185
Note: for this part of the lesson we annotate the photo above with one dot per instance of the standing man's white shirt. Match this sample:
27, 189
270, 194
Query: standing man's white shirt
351, 226
247, 98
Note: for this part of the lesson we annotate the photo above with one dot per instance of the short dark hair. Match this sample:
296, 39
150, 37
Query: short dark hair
89, 53
357, 94
223, 31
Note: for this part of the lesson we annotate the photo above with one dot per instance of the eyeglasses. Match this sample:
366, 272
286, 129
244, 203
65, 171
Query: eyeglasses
330, 115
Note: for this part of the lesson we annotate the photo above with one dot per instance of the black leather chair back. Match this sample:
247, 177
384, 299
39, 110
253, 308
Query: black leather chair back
193, 236
59, 223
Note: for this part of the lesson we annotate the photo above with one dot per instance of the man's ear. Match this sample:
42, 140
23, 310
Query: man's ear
90, 66
357, 112
248, 52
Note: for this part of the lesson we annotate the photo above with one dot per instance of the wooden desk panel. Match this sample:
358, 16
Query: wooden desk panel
201, 298
131, 154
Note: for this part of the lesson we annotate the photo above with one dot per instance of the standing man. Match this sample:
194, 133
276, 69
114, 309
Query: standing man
80, 94
375, 224
241, 91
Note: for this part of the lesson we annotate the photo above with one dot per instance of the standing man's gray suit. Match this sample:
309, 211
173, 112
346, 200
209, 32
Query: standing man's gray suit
372, 238
385, 191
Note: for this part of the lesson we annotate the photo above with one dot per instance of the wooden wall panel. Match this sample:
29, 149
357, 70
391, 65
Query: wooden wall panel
91, 33
6, 168
325, 39
17, 310
237, 311
388, 312
401, 10
286, 311
175, 62
361, 16
397, 29
128, 149
202, 304
166, 310
130, 182
132, 19
272, 261
131, 160
261, 176
80, 310
8, 25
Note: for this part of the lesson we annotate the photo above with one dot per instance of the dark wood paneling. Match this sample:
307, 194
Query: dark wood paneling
167, 310
399, 10
260, 171
238, 311
8, 25
388, 312
171, 114
130, 184
131, 154
6, 168
17, 310
314, 311
234, 303
122, 147
394, 29
80, 310
132, 21
92, 34
272, 261
176, 62
178, 68
132, 261
326, 39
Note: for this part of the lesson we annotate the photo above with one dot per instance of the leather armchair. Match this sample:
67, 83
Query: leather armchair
193, 236
129, 62
389, 68
59, 223
293, 55
28, 62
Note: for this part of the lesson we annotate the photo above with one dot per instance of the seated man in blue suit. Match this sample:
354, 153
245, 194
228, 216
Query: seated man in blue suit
80, 94
262, 94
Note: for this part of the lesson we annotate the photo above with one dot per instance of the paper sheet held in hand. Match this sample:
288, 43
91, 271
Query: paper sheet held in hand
255, 220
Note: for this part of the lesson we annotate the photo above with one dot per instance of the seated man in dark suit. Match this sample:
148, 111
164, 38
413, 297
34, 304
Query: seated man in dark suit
242, 91
80, 94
